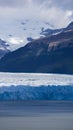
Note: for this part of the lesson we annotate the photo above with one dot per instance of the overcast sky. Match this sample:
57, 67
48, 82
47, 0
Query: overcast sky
59, 13
66, 4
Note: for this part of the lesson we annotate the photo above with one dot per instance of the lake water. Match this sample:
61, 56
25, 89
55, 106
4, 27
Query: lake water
23, 114
36, 115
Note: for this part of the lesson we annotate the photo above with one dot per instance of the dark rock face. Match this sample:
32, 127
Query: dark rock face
52, 54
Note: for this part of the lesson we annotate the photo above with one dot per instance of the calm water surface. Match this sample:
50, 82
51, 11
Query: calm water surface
36, 115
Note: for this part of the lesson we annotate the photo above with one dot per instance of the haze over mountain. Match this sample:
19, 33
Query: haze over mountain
21, 19
51, 54
4, 48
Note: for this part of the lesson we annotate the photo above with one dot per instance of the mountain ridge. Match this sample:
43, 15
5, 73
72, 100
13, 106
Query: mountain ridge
50, 54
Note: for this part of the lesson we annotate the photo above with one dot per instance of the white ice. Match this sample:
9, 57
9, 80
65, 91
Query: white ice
30, 79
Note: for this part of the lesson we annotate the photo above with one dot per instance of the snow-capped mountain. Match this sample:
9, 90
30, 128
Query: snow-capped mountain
4, 48
48, 31
70, 26
25, 30
50, 54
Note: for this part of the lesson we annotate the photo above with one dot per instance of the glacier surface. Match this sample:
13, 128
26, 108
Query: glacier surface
29, 86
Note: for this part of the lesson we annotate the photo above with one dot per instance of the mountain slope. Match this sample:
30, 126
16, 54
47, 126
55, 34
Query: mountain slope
52, 54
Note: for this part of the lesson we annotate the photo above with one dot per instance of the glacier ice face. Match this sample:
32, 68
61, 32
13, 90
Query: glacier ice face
21, 86
36, 93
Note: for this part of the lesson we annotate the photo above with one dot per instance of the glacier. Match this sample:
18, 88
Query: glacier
29, 86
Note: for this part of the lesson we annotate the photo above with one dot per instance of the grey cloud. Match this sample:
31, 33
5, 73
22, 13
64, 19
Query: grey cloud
12, 3
57, 12
65, 4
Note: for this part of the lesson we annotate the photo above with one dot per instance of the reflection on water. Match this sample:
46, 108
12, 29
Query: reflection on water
36, 115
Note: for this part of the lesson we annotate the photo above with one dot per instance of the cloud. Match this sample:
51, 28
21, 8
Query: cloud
12, 3
15, 40
65, 4
57, 12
